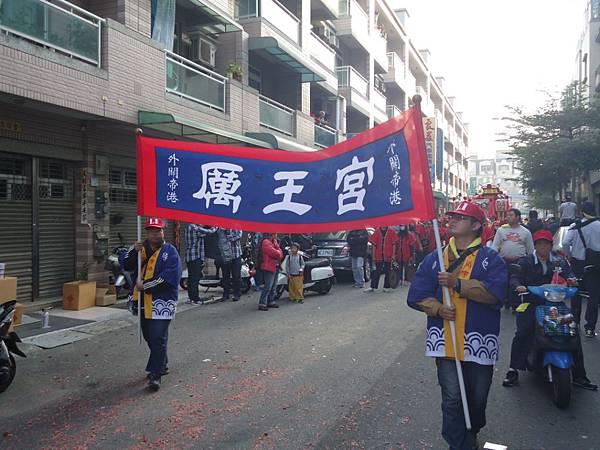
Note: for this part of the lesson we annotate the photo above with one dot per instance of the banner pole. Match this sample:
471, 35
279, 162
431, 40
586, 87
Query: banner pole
139, 278
448, 302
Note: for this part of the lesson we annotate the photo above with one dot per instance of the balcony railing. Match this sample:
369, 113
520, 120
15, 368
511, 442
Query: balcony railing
280, 17
325, 136
60, 26
276, 116
194, 82
392, 111
322, 52
349, 77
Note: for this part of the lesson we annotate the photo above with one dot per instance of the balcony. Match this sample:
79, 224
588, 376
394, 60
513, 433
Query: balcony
194, 82
392, 111
353, 25
399, 75
354, 87
324, 58
325, 136
276, 116
379, 50
272, 11
61, 26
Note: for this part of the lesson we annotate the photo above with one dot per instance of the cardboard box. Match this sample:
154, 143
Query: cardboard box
106, 300
78, 295
104, 297
8, 289
18, 317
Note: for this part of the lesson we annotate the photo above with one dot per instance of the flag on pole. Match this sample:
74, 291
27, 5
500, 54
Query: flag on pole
380, 177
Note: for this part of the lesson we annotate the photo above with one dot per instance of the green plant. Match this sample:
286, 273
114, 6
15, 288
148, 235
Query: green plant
234, 70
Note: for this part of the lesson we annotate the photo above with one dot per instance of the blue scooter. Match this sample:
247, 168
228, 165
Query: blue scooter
556, 337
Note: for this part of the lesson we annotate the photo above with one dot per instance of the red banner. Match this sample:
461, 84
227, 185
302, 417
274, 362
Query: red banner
379, 177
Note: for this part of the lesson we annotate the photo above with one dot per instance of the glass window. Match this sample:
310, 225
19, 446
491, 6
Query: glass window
595, 9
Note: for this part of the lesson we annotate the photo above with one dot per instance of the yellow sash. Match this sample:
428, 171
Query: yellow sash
148, 274
459, 302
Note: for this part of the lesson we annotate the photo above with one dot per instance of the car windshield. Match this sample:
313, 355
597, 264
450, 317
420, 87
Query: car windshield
331, 236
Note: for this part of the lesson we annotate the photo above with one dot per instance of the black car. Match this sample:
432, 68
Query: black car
334, 245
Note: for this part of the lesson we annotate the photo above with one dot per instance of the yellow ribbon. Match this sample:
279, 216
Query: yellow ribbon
459, 302
148, 274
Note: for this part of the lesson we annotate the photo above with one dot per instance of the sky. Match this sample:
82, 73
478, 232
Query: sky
494, 54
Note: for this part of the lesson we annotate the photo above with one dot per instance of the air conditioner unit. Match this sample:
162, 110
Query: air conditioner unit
203, 50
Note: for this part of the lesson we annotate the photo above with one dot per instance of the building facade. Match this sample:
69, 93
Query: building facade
587, 72
501, 171
79, 77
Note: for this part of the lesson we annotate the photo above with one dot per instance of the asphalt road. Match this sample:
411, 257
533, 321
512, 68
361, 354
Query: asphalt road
341, 371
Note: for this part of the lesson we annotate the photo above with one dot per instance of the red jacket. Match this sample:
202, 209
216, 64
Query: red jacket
407, 245
383, 251
271, 255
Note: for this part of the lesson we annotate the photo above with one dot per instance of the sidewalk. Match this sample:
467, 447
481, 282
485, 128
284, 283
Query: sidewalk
72, 326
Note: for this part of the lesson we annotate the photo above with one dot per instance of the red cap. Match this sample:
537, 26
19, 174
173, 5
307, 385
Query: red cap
155, 222
470, 210
543, 234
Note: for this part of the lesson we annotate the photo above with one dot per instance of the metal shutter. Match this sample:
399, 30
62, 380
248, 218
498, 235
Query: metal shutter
56, 227
15, 221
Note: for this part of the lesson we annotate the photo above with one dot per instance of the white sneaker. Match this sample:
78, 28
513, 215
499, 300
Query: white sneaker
386, 290
370, 290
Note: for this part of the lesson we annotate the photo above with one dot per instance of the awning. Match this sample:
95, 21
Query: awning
284, 53
189, 129
281, 143
219, 17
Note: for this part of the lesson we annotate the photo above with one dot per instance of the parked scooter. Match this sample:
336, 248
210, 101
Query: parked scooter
215, 281
120, 278
318, 276
556, 337
8, 345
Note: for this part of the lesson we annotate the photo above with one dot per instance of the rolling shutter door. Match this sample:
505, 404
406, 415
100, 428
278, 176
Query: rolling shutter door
15, 221
56, 227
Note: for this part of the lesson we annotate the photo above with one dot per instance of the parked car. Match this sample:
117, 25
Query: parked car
333, 245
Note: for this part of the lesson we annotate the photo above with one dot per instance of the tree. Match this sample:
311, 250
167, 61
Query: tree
557, 146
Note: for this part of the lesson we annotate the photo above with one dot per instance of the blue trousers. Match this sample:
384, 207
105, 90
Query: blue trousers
268, 293
478, 379
156, 335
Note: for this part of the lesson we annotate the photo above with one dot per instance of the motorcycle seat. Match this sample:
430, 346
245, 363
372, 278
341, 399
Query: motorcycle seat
316, 262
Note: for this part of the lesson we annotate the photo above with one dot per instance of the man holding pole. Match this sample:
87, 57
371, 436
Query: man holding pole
463, 306
158, 285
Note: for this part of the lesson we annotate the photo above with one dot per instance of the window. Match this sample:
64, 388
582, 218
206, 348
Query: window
246, 8
595, 9
123, 184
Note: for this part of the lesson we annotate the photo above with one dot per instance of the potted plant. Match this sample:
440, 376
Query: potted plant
80, 294
234, 70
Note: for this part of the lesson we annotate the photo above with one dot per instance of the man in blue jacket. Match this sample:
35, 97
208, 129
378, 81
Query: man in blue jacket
535, 270
476, 277
158, 287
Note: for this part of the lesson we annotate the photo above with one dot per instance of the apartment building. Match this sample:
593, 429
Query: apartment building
501, 171
79, 77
